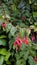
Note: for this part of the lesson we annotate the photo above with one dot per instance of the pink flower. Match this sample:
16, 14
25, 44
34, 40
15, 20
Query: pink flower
33, 38
18, 41
18, 37
17, 44
4, 25
25, 40
35, 59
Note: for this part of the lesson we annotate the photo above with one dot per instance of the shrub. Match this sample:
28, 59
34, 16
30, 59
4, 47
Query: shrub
18, 32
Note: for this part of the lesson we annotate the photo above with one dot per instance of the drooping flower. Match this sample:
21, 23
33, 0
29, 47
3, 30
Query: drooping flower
18, 41
18, 37
4, 25
16, 49
33, 38
17, 44
35, 59
25, 40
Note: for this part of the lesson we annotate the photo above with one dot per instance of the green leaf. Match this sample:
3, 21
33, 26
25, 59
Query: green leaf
7, 56
34, 46
14, 8
33, 53
8, 62
20, 62
21, 32
2, 36
21, 4
11, 43
26, 55
35, 29
35, 14
12, 31
3, 42
1, 60
8, 27
5, 9
31, 61
30, 1
5, 53
1, 17
35, 23
1, 21
24, 47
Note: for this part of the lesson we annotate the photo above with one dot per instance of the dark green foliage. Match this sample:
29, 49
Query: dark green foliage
18, 17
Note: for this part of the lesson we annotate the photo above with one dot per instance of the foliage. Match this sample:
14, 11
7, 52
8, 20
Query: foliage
18, 32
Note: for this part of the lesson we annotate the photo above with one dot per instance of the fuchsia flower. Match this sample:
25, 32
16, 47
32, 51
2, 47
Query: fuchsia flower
18, 37
35, 59
18, 41
33, 38
25, 40
4, 25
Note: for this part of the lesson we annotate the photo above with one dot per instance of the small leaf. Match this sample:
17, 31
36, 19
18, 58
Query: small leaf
33, 53
1, 60
8, 62
5, 53
34, 14
3, 42
8, 27
14, 9
26, 55
12, 31
11, 43
2, 36
30, 1
7, 56
1, 17
21, 32
31, 61
21, 5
